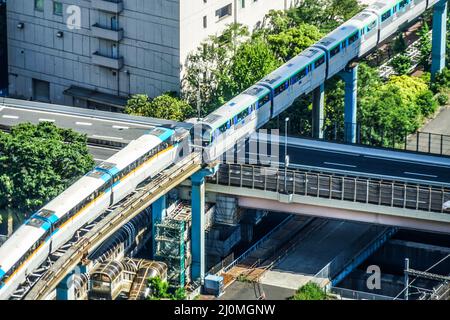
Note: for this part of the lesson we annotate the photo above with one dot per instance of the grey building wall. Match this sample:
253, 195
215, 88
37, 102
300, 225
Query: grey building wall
152, 42
150, 49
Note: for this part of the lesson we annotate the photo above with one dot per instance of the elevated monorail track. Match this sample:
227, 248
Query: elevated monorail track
129, 209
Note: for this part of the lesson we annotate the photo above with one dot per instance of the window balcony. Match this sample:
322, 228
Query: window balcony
107, 61
105, 33
112, 6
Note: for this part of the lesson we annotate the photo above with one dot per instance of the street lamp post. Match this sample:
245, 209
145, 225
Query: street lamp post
286, 157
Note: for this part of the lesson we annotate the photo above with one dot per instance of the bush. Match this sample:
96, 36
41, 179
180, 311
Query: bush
310, 291
442, 99
425, 101
401, 64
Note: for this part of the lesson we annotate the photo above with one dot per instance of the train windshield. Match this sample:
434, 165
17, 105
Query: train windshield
201, 135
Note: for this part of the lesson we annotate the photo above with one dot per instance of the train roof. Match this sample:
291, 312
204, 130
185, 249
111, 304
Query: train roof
381, 7
73, 195
291, 67
235, 105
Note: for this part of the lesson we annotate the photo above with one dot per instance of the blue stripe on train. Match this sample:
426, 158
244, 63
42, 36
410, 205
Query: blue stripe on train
46, 226
2, 273
112, 171
166, 135
53, 218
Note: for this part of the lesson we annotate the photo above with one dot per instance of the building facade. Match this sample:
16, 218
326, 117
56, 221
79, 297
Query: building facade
96, 53
3, 51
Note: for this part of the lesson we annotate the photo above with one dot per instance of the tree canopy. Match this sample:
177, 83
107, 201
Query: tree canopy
165, 106
38, 162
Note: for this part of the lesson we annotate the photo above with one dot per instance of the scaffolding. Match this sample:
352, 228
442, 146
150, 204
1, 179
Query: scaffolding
173, 243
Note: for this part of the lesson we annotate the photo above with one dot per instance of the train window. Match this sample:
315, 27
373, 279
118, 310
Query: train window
335, 51
353, 38
371, 26
403, 4
319, 62
385, 15
242, 115
223, 127
262, 101
299, 76
282, 87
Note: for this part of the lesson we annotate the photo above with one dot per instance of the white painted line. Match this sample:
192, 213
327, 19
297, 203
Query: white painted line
420, 174
107, 137
6, 116
120, 127
340, 164
46, 120
83, 123
407, 161
100, 160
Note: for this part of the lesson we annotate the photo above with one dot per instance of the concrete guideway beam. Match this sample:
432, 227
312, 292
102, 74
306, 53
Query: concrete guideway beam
198, 222
439, 40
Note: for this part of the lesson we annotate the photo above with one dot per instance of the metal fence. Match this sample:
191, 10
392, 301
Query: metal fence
336, 131
334, 186
257, 244
358, 295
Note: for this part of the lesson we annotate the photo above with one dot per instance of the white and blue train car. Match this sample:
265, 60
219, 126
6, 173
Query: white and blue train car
84, 201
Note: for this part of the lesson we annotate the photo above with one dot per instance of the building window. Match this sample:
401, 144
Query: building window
242, 4
39, 5
205, 22
57, 8
224, 11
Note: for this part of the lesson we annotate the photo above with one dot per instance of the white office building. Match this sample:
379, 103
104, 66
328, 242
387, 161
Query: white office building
96, 53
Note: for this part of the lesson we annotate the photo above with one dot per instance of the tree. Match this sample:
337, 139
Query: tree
292, 41
38, 162
160, 290
401, 64
165, 106
425, 46
253, 61
399, 45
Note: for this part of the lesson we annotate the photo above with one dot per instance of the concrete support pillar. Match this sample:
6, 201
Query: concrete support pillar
198, 223
66, 289
159, 208
350, 77
318, 111
439, 37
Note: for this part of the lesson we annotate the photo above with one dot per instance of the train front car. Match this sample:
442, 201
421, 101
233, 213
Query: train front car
82, 203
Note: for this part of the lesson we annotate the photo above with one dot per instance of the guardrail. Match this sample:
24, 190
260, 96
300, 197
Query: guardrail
334, 186
257, 244
358, 295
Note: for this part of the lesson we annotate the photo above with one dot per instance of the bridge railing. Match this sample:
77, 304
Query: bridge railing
334, 186
423, 142
358, 295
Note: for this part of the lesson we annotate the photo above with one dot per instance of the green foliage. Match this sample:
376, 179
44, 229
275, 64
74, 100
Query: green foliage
165, 106
310, 291
426, 103
399, 45
442, 81
289, 43
253, 60
160, 290
325, 14
425, 46
401, 64
442, 99
38, 162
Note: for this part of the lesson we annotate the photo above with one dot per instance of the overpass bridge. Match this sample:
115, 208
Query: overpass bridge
295, 191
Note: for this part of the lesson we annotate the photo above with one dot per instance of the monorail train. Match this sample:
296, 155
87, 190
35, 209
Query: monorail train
84, 201
250, 110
